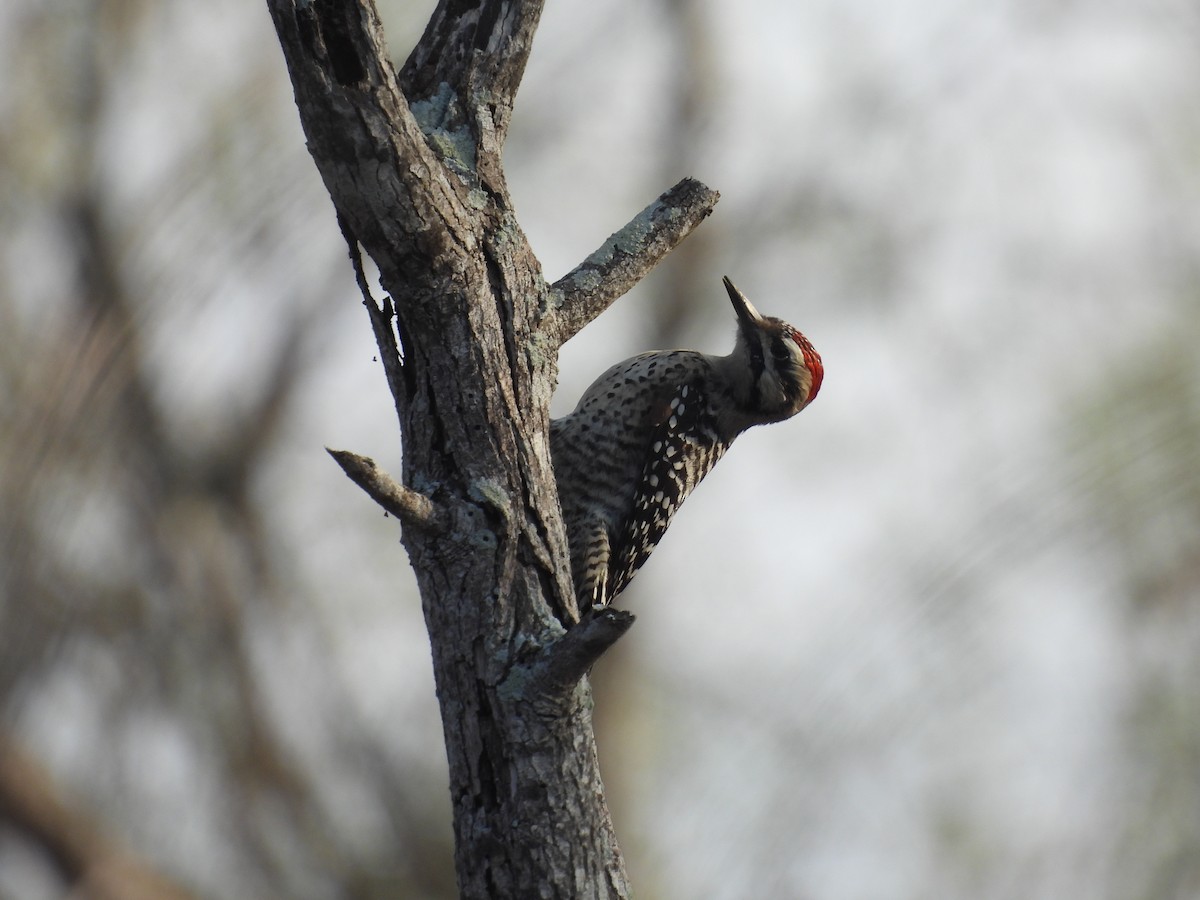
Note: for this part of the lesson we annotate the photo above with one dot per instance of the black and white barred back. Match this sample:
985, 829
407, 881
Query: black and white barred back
650, 428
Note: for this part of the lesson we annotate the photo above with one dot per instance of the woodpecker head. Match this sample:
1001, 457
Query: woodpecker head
781, 371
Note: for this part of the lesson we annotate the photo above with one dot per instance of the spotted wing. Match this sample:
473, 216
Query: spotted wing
683, 448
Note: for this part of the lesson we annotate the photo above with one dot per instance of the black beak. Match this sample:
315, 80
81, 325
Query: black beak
746, 313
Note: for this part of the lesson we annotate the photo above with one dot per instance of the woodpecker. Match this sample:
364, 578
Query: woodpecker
650, 428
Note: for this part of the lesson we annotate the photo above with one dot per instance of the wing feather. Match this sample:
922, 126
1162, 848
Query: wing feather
683, 448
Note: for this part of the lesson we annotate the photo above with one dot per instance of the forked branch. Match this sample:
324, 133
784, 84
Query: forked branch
495, 38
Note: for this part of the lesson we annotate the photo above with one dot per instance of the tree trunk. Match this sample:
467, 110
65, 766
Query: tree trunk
469, 334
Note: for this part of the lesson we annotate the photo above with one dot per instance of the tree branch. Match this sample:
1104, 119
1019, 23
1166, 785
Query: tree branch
380, 313
412, 509
628, 256
417, 177
560, 666
480, 55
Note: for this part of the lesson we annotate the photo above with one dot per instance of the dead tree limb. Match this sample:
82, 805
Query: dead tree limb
469, 334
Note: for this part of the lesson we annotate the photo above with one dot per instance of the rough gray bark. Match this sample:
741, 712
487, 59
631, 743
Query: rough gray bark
469, 334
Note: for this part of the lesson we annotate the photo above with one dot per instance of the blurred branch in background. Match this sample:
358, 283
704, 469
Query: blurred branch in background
80, 852
141, 562
687, 132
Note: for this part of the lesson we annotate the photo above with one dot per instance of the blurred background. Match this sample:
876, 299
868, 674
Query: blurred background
938, 637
